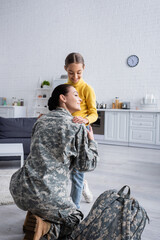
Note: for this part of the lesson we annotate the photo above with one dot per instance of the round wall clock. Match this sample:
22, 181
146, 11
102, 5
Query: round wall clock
132, 61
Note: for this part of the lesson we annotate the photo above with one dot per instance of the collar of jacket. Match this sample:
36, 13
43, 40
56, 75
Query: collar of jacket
77, 84
63, 110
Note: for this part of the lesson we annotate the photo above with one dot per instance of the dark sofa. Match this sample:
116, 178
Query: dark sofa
16, 130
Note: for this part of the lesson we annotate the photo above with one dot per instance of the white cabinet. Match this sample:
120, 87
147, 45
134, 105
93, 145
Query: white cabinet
142, 128
116, 126
12, 111
132, 128
41, 101
158, 130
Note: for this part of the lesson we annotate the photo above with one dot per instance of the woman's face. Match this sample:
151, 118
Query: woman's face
75, 71
72, 100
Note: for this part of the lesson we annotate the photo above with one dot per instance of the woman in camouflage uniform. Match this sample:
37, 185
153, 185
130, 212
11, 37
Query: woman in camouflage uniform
40, 186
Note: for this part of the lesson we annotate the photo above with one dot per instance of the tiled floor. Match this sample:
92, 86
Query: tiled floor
137, 167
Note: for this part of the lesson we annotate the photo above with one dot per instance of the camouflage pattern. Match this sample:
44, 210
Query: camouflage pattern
40, 186
114, 216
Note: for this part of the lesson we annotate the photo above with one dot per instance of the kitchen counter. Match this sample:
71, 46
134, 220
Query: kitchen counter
129, 110
129, 127
12, 111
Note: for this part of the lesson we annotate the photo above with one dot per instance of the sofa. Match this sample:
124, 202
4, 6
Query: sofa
16, 130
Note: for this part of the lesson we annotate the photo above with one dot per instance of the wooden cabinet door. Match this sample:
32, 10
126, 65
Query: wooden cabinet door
110, 126
142, 128
122, 126
6, 112
116, 126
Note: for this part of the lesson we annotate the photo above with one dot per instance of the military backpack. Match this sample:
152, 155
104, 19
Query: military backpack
117, 215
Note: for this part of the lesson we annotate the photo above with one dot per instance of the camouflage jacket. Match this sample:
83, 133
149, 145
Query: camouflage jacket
57, 145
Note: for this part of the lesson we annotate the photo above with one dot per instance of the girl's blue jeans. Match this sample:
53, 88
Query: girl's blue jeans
77, 179
77, 186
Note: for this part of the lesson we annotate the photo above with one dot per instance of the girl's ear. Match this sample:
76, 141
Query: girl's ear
65, 67
62, 98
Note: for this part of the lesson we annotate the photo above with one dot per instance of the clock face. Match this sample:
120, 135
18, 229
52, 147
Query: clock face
132, 60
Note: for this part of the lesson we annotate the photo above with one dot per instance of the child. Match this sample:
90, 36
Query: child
74, 65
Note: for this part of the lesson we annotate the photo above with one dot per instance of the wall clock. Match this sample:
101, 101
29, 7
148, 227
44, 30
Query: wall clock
132, 61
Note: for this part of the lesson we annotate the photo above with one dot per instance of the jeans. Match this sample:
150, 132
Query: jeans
77, 186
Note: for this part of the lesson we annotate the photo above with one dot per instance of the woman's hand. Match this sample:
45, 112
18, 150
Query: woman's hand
80, 120
90, 133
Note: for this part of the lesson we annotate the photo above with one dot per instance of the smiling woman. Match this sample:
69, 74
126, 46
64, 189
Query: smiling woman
72, 100
57, 145
65, 96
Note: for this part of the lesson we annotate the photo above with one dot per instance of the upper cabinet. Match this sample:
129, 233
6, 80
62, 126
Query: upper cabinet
116, 126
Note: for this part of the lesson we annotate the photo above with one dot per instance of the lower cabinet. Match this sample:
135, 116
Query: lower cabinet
158, 130
12, 111
142, 128
116, 126
131, 128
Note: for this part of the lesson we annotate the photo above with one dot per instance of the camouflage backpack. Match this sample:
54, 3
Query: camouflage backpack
118, 217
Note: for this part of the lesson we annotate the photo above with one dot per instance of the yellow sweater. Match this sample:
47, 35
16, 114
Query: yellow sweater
88, 104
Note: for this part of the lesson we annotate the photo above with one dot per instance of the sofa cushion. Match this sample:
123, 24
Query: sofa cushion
16, 127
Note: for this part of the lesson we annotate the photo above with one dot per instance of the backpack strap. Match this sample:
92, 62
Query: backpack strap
121, 192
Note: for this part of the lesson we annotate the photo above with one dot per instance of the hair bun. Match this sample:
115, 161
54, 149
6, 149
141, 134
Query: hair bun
51, 104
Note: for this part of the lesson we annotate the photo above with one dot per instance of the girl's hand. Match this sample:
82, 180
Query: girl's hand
80, 120
40, 115
90, 133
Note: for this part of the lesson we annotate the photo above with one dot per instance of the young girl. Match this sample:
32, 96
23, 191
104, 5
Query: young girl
74, 65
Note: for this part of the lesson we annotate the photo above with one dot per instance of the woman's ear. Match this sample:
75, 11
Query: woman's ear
62, 98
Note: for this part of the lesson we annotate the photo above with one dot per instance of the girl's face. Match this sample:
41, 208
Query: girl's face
72, 100
75, 71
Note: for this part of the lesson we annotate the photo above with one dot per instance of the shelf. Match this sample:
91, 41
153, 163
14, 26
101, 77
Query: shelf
42, 89
40, 103
40, 108
41, 98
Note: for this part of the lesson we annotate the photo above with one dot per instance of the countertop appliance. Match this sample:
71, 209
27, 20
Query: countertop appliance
98, 126
125, 105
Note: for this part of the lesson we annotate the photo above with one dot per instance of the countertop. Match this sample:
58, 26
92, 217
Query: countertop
130, 110
9, 106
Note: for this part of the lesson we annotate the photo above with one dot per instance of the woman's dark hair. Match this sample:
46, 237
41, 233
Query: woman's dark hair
53, 101
74, 58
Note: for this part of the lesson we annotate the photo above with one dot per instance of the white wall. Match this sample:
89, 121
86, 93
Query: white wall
36, 36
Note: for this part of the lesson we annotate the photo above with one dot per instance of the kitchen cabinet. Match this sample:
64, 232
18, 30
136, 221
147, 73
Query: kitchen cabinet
12, 111
138, 128
158, 130
116, 126
142, 128
41, 101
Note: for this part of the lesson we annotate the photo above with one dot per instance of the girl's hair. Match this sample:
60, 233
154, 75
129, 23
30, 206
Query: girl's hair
74, 58
53, 101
